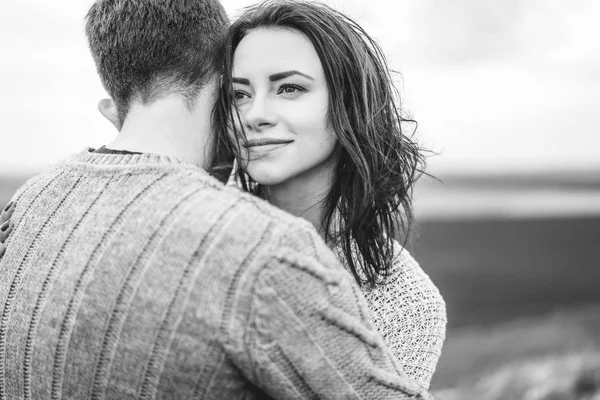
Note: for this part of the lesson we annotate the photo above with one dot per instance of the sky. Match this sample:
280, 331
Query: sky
496, 86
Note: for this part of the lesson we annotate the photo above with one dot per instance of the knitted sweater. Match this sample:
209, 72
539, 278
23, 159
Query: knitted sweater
410, 313
141, 277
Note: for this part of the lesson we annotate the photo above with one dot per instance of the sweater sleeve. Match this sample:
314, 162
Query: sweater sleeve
410, 313
309, 336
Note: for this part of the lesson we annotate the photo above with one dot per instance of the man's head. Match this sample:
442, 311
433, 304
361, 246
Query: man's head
148, 49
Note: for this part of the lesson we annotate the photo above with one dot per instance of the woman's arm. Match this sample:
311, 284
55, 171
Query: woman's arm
410, 313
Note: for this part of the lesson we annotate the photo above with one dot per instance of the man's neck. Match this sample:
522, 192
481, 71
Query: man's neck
168, 127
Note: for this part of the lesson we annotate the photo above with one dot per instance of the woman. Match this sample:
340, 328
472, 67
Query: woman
309, 108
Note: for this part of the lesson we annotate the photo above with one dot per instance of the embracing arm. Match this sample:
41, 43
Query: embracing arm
309, 335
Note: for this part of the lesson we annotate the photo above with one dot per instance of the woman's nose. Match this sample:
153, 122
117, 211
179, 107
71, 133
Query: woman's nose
258, 114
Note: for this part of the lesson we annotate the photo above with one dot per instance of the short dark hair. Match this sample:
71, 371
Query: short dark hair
378, 163
145, 49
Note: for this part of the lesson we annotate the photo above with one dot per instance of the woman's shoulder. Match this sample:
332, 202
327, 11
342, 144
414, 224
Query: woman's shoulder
410, 312
404, 264
409, 281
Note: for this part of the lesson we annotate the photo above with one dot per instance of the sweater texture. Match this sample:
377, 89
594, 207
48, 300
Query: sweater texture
141, 277
410, 313
408, 310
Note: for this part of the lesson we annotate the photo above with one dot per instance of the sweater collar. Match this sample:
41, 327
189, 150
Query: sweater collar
88, 156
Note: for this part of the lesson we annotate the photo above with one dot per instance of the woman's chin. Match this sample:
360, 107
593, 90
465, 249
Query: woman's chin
266, 176
267, 180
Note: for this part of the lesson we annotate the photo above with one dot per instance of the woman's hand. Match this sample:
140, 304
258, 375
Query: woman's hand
6, 225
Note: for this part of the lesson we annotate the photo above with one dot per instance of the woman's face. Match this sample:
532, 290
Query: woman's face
282, 96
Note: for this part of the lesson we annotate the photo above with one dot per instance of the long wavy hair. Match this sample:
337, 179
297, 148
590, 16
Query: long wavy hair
369, 203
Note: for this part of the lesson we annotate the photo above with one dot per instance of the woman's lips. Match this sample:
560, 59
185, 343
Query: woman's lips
265, 142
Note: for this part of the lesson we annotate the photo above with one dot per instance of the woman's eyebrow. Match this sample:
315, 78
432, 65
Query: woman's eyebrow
282, 75
241, 81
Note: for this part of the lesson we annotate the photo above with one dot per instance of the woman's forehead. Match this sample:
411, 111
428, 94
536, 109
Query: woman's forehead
271, 50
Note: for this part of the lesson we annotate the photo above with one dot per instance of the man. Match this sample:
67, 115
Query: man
5, 225
130, 273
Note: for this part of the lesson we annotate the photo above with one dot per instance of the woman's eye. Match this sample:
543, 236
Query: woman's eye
239, 95
290, 89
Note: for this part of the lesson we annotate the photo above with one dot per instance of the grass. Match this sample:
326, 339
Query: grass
574, 376
491, 271
522, 295
471, 353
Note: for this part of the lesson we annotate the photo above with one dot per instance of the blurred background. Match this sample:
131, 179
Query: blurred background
506, 94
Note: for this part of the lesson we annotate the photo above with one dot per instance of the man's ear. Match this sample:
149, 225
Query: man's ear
108, 108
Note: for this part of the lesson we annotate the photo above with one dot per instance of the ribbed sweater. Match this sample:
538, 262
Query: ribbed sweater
408, 311
141, 277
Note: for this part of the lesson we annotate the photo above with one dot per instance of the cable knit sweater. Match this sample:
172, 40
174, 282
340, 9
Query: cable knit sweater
408, 311
141, 277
